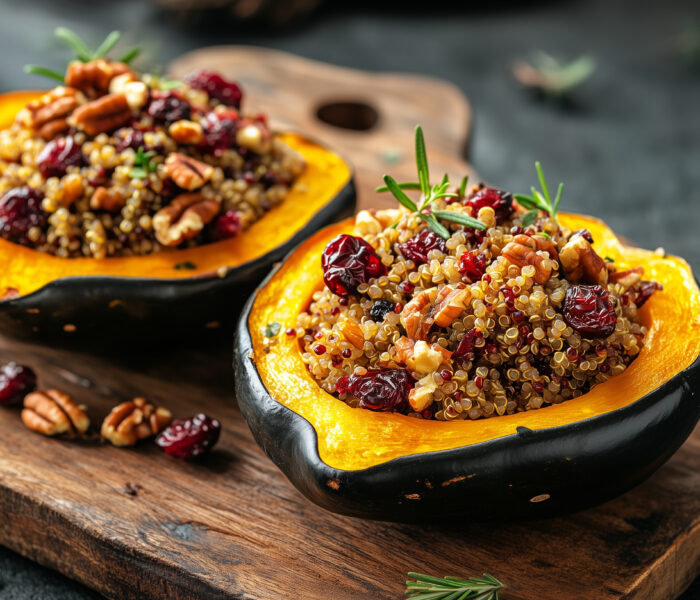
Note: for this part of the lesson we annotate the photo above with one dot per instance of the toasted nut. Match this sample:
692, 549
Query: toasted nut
581, 263
414, 313
52, 129
109, 199
94, 77
187, 172
102, 115
47, 114
72, 188
627, 278
449, 305
352, 333
186, 132
136, 92
183, 218
51, 412
254, 135
522, 251
130, 422
421, 396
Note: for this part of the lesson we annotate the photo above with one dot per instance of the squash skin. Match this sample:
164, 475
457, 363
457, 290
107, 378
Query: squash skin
127, 307
527, 474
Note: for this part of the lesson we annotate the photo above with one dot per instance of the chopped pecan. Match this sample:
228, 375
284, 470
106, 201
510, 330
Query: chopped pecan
131, 422
254, 135
48, 113
581, 263
183, 218
522, 251
109, 199
626, 278
51, 412
102, 115
187, 172
186, 132
432, 307
93, 77
448, 306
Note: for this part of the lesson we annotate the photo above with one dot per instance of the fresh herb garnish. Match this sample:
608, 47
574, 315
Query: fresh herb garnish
185, 265
143, 165
539, 201
272, 329
609, 259
429, 194
82, 52
427, 587
550, 77
156, 81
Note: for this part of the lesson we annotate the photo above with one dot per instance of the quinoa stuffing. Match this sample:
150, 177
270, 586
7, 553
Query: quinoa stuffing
113, 163
490, 310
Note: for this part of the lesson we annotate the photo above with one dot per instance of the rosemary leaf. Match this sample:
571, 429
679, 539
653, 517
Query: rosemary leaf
455, 217
436, 226
109, 42
406, 185
138, 173
557, 199
38, 70
169, 84
427, 587
82, 52
445, 180
530, 216
422, 162
131, 55
543, 182
463, 186
398, 193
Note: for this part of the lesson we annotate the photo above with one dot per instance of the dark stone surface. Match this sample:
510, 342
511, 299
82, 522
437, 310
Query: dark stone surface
628, 150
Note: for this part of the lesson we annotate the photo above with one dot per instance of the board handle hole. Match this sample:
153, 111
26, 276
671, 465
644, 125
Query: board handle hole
356, 116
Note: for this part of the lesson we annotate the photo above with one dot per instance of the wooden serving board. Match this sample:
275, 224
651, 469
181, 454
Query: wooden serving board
134, 523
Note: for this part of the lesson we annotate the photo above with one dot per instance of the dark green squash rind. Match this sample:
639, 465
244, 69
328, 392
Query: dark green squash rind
530, 474
86, 308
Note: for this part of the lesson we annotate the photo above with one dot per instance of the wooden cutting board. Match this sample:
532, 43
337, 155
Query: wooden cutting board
134, 523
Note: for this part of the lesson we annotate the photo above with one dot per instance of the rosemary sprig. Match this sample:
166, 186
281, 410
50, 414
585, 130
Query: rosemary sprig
427, 587
82, 52
540, 200
143, 165
429, 194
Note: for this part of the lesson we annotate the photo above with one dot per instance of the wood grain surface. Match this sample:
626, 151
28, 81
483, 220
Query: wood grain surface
231, 526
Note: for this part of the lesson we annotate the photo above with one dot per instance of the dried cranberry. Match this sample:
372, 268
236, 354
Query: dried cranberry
129, 138
227, 225
589, 310
218, 133
466, 346
584, 233
501, 202
347, 262
417, 248
347, 353
190, 438
380, 309
508, 297
58, 155
474, 236
20, 210
16, 381
168, 107
379, 389
216, 86
644, 290
472, 265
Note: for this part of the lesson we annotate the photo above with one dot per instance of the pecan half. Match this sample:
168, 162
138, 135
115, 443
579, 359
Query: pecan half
187, 172
581, 263
186, 132
48, 113
522, 251
432, 307
93, 77
51, 412
183, 218
102, 115
132, 421
108, 199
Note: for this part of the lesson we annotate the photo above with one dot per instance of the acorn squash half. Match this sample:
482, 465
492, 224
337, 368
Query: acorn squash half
173, 291
532, 464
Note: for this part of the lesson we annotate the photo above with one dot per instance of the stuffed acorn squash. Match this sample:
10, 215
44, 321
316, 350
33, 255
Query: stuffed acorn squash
131, 205
501, 361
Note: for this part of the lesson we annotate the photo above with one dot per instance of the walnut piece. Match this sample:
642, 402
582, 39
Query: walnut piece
186, 132
187, 172
254, 135
183, 218
133, 421
102, 115
108, 199
51, 412
93, 77
522, 251
48, 114
625, 279
581, 263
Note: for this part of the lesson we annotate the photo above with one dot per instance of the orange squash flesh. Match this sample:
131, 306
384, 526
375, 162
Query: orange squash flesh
351, 439
27, 270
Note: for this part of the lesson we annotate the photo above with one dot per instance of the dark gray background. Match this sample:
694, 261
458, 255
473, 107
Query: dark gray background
628, 149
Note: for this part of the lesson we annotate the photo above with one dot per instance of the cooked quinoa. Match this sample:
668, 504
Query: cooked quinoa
480, 330
88, 168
